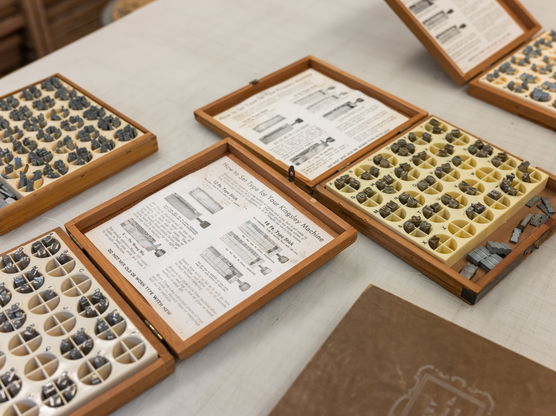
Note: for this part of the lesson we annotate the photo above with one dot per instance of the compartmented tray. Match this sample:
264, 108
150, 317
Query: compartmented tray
446, 195
451, 186
68, 342
207, 114
341, 232
524, 82
489, 79
445, 201
57, 140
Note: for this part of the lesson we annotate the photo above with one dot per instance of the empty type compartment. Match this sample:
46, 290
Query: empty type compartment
129, 350
488, 174
529, 73
461, 187
44, 302
57, 131
57, 333
41, 367
76, 285
23, 407
60, 324
61, 265
462, 229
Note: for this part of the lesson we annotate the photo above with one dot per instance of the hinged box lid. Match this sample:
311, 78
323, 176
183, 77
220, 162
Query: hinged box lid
467, 37
208, 116
341, 235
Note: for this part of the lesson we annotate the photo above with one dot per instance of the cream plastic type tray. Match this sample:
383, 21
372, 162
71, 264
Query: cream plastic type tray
440, 188
49, 130
63, 340
529, 74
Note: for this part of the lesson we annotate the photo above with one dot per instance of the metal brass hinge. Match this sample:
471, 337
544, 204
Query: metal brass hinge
76, 242
154, 331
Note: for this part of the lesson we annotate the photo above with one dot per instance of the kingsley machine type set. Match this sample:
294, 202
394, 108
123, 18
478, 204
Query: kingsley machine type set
310, 155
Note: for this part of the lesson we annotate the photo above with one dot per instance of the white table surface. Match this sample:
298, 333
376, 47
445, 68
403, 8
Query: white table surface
164, 61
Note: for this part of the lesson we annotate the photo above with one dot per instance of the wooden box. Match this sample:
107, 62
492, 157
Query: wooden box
206, 115
102, 165
496, 91
167, 344
445, 268
343, 235
28, 399
442, 271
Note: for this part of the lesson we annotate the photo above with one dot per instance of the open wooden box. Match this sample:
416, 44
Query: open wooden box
108, 400
449, 277
167, 342
476, 77
439, 271
76, 180
343, 235
206, 115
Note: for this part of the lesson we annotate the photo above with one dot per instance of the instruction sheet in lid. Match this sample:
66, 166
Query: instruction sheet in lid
204, 244
469, 31
311, 122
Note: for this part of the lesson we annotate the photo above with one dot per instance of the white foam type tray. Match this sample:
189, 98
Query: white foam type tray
529, 74
456, 186
63, 340
50, 130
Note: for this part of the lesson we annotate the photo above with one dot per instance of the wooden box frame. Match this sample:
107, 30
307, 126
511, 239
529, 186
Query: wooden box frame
343, 235
142, 380
73, 183
429, 265
508, 102
206, 115
432, 267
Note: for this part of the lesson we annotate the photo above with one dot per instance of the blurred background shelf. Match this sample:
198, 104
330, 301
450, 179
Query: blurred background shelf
30, 29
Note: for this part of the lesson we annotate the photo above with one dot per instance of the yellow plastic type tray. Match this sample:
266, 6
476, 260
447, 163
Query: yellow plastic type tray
64, 127
60, 345
529, 74
481, 169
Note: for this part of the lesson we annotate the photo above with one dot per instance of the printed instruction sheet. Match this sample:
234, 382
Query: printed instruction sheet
311, 122
469, 31
205, 243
